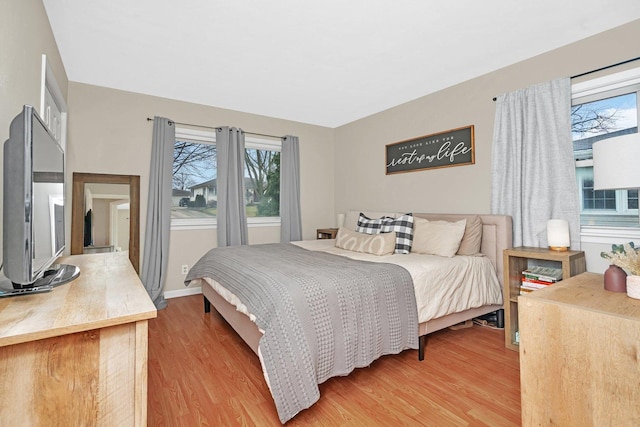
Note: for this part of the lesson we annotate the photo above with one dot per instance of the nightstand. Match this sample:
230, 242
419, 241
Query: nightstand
326, 233
515, 261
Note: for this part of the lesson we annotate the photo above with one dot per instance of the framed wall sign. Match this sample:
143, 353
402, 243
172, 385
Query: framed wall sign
454, 147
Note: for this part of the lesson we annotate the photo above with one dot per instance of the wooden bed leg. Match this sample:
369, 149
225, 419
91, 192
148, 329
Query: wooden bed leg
207, 305
422, 342
500, 318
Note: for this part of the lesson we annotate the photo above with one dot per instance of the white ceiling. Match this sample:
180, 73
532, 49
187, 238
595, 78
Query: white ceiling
324, 62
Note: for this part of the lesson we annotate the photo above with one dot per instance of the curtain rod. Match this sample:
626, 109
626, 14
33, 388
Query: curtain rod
218, 127
605, 68
600, 69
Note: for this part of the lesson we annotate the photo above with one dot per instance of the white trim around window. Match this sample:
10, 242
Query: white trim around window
605, 83
585, 91
251, 142
210, 137
262, 144
195, 135
609, 235
212, 223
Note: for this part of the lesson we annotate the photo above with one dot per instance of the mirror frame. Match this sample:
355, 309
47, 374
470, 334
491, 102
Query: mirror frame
77, 210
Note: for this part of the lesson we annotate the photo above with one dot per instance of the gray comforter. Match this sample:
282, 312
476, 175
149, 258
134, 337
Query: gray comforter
322, 315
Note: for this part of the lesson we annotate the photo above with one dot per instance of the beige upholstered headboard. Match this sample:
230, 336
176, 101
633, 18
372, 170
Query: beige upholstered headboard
496, 232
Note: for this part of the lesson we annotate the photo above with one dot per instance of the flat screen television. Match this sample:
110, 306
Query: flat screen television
33, 207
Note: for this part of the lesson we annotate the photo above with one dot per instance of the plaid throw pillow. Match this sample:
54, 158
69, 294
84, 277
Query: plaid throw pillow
403, 226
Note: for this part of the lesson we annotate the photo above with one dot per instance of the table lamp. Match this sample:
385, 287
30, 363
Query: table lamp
558, 234
616, 166
616, 163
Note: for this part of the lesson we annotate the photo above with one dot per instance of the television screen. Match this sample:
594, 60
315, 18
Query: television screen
48, 198
33, 205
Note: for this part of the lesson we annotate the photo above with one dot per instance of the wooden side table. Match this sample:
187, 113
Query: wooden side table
515, 261
579, 362
326, 233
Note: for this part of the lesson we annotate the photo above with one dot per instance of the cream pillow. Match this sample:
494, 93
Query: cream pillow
472, 238
437, 237
375, 244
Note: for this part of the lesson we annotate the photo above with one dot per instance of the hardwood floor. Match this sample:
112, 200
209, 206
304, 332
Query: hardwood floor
202, 374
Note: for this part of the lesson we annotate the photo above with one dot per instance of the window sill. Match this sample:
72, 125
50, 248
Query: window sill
609, 235
212, 224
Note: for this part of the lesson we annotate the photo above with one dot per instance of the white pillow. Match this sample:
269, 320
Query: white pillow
375, 244
472, 239
437, 237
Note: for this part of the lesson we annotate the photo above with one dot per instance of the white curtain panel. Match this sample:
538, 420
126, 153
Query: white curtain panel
231, 217
290, 218
533, 175
157, 231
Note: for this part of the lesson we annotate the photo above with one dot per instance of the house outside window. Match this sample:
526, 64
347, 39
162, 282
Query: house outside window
195, 192
604, 108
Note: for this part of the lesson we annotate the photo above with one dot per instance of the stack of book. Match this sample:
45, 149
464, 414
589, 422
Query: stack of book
534, 278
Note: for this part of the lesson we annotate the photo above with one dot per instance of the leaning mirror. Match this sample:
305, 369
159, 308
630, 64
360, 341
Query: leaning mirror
105, 214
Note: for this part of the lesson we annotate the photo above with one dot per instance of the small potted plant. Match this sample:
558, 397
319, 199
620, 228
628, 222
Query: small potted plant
627, 258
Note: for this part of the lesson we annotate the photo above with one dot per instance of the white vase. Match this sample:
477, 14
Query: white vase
633, 286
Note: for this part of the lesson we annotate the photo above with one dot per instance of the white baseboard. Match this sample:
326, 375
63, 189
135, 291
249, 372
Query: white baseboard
182, 293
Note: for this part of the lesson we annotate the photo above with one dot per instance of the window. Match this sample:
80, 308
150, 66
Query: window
195, 191
604, 108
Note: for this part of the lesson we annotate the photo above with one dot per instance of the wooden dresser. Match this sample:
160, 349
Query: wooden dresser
77, 355
579, 355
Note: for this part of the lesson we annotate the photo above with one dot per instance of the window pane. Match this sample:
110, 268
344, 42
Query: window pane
604, 117
597, 199
194, 192
262, 183
632, 199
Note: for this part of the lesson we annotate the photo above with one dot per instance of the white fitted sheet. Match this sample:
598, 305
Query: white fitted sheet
442, 285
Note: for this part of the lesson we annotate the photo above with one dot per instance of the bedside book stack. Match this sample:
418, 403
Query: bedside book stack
534, 278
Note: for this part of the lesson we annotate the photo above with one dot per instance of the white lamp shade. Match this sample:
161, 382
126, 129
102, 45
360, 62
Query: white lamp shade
558, 233
616, 163
340, 220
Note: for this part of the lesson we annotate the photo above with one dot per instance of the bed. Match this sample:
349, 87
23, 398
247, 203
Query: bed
429, 313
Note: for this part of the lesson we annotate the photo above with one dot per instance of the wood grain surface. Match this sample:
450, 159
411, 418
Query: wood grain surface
202, 374
77, 356
108, 292
580, 353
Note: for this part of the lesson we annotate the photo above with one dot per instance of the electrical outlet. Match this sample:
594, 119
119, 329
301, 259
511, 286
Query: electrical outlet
185, 269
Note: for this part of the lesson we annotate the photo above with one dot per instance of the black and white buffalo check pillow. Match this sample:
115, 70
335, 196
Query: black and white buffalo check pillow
403, 227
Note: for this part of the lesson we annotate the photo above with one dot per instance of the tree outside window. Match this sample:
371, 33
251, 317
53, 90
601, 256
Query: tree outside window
263, 170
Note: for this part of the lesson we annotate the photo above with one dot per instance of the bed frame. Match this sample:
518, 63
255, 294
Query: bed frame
496, 237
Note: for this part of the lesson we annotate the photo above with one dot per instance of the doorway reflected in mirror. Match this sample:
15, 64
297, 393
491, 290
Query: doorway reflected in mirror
105, 214
106, 221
